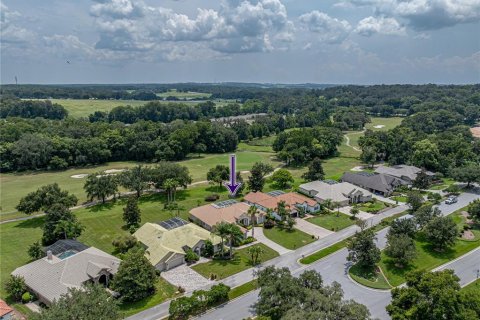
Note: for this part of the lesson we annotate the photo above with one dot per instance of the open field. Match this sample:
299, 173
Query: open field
184, 95
387, 123
17, 185
290, 239
331, 221
241, 261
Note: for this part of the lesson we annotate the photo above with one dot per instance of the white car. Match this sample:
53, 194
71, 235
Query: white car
451, 200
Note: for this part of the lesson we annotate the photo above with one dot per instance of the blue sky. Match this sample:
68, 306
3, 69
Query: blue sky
281, 41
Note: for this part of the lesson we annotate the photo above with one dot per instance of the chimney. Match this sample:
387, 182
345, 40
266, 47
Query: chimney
49, 255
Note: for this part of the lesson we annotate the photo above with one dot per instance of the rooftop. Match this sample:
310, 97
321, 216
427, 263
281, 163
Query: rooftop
210, 214
4, 308
334, 191
270, 202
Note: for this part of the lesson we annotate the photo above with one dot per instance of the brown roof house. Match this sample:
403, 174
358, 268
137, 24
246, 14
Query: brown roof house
6, 312
50, 277
229, 211
270, 200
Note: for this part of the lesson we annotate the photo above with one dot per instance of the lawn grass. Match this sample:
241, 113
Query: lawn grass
241, 261
189, 95
427, 257
368, 278
324, 252
473, 288
389, 123
333, 221
164, 291
446, 182
372, 207
290, 239
17, 185
243, 289
400, 198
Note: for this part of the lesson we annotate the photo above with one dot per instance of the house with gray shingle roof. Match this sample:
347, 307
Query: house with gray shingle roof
50, 277
377, 183
404, 172
343, 193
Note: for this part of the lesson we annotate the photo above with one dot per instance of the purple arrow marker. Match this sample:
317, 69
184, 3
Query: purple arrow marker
232, 185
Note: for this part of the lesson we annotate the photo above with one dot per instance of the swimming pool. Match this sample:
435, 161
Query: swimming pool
66, 254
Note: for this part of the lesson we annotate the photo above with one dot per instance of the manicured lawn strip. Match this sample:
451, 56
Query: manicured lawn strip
427, 257
473, 288
292, 240
241, 261
399, 198
183, 95
164, 291
331, 221
242, 146
446, 182
376, 281
324, 252
372, 206
243, 289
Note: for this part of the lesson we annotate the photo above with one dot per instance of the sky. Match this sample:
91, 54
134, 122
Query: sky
263, 41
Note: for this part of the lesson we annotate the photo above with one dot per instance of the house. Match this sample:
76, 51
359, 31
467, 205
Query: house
229, 211
343, 193
168, 241
270, 200
377, 183
404, 172
68, 264
6, 312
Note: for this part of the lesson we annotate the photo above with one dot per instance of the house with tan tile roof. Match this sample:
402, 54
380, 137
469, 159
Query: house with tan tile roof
6, 312
209, 215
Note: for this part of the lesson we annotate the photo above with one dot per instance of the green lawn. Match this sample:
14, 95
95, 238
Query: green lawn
241, 261
446, 182
372, 207
387, 123
399, 198
324, 252
332, 221
292, 240
17, 185
369, 278
427, 257
243, 289
473, 288
190, 95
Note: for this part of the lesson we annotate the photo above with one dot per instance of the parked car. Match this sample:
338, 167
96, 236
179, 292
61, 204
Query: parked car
451, 200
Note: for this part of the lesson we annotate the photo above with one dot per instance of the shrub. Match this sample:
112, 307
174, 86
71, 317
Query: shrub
124, 243
15, 287
191, 256
26, 297
212, 197
452, 189
208, 249
269, 224
181, 289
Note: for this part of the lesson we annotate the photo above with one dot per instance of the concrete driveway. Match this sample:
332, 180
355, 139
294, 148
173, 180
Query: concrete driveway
311, 229
185, 277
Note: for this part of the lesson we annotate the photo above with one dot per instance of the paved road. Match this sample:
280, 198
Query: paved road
335, 267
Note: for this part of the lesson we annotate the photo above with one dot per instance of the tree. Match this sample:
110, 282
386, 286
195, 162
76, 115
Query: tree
35, 251
170, 170
235, 235
354, 211
255, 252
474, 211
15, 286
422, 181
468, 173
401, 249
368, 155
337, 205
282, 178
131, 213
136, 179
425, 214
69, 226
252, 213
123, 243
200, 148
426, 155
283, 210
136, 277
441, 232
44, 198
90, 302
403, 226
415, 200
222, 230
315, 171
283, 296
100, 186
362, 249
256, 180
432, 296
218, 174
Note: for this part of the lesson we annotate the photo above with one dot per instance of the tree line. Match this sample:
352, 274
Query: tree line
31, 109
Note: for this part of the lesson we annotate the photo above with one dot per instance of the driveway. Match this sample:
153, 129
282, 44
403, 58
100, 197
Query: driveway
311, 229
185, 277
269, 243
361, 214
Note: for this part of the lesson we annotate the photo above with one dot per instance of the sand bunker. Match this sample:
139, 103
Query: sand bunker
468, 235
114, 171
475, 132
380, 126
79, 176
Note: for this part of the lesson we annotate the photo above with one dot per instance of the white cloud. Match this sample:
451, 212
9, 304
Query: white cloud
381, 25
328, 29
9, 31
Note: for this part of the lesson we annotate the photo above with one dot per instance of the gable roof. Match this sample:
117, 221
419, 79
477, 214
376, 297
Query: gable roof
4, 308
162, 243
211, 215
52, 278
338, 192
270, 202
401, 171
375, 181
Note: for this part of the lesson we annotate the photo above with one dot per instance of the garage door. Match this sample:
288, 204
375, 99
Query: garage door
174, 262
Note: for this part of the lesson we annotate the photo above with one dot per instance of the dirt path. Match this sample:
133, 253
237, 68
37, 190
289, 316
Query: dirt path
347, 143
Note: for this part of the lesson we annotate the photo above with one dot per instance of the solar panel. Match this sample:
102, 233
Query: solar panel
275, 193
330, 182
224, 204
172, 223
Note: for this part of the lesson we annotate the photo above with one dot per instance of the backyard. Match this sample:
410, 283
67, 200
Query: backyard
241, 261
290, 239
333, 221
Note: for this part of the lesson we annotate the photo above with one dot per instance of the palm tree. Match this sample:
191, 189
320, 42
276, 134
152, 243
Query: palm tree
327, 203
170, 185
252, 211
222, 230
255, 252
235, 235
337, 206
